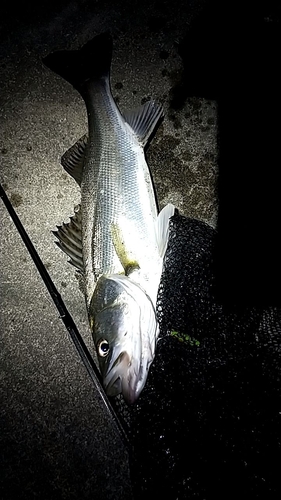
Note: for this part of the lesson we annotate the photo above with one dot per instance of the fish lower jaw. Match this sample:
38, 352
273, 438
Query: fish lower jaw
125, 379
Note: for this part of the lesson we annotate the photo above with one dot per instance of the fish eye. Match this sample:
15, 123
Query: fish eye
103, 348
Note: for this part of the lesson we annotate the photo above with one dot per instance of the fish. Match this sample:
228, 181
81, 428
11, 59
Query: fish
116, 237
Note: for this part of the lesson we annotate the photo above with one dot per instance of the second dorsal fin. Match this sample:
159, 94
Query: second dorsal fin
73, 159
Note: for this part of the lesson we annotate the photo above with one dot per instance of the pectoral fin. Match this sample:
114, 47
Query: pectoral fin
127, 260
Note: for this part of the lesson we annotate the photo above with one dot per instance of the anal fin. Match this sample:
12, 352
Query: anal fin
144, 119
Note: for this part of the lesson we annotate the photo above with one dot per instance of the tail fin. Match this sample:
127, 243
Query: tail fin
91, 62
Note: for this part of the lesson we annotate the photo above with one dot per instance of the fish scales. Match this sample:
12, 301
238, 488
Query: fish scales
120, 235
116, 190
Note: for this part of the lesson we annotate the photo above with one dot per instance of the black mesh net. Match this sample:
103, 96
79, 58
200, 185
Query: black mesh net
207, 424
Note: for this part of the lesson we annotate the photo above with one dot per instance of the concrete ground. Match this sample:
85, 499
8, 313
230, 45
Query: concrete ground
58, 440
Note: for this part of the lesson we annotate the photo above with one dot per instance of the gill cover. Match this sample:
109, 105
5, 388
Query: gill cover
124, 329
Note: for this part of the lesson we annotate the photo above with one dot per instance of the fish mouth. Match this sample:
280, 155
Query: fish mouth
126, 377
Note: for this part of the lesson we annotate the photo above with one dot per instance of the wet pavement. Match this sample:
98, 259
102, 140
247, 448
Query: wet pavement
58, 440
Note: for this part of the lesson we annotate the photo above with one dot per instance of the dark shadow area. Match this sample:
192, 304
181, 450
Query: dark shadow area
231, 54
207, 424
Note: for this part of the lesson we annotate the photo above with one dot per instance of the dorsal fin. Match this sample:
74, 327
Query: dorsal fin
73, 159
144, 119
70, 239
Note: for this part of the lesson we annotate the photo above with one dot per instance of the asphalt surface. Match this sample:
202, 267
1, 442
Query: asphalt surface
58, 440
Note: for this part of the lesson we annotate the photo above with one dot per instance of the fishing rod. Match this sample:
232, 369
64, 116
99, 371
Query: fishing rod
65, 316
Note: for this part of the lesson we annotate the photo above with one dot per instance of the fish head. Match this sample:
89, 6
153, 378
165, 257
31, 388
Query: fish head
124, 329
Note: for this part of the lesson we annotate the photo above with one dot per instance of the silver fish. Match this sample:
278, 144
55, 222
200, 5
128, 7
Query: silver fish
117, 239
